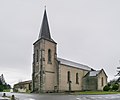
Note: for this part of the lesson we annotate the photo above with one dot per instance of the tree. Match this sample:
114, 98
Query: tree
118, 71
115, 86
4, 86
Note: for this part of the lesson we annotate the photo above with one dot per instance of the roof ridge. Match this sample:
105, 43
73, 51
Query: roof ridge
72, 61
74, 64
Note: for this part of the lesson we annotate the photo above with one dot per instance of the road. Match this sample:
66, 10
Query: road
22, 96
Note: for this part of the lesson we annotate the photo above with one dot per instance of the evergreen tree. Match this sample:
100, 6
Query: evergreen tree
3, 84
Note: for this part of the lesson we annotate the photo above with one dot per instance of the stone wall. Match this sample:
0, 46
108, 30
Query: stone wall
44, 71
63, 81
100, 76
90, 83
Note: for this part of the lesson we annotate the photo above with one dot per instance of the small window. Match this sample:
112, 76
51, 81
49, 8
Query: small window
49, 56
77, 79
68, 76
37, 56
102, 81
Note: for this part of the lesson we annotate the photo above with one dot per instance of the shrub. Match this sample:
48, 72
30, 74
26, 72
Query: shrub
115, 87
106, 88
109, 84
1, 88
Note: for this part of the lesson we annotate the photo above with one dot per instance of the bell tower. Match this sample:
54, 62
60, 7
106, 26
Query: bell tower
44, 60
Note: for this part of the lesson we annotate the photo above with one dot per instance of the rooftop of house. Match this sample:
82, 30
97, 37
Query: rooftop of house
24, 82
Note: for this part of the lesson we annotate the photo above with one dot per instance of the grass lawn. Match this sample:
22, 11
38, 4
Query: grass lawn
98, 92
6, 90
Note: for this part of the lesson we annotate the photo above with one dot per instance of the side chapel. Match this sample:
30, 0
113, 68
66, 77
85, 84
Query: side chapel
53, 74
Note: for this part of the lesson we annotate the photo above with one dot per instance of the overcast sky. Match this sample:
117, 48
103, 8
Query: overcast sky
86, 31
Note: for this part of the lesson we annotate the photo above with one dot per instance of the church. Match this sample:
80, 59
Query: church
53, 74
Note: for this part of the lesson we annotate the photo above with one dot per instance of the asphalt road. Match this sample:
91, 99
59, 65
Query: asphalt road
22, 96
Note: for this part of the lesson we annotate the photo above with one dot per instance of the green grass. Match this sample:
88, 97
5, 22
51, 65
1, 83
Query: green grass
6, 90
98, 92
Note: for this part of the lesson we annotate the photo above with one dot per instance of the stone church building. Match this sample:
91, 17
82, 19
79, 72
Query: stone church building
53, 74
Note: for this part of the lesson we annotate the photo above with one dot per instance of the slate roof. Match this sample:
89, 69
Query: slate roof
45, 31
73, 64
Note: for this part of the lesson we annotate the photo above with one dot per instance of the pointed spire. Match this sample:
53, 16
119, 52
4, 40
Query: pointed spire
45, 31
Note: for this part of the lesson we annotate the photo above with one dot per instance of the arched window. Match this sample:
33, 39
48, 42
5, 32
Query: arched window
68, 76
49, 56
37, 55
102, 81
77, 79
